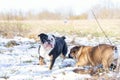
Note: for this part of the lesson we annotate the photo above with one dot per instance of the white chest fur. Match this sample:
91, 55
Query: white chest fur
44, 52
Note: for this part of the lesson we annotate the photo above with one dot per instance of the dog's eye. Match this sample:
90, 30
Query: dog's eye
73, 51
51, 39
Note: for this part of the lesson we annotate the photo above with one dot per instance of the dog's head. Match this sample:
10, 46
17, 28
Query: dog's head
47, 40
74, 52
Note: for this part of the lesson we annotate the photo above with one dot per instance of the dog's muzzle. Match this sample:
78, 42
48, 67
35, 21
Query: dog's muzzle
69, 56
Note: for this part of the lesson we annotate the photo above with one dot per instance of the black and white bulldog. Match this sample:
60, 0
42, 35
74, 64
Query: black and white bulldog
52, 46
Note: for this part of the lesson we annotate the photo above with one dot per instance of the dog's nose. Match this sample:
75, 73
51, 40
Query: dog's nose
70, 56
48, 41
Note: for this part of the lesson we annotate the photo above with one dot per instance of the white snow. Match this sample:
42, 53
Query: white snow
21, 62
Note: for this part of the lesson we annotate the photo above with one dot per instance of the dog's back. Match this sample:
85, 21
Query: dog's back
60, 46
102, 54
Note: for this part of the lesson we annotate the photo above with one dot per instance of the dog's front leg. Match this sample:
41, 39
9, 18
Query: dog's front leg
52, 61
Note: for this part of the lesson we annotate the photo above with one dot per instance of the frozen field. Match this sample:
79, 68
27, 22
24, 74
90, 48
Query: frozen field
19, 61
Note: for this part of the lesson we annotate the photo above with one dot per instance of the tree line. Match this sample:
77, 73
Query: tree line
101, 13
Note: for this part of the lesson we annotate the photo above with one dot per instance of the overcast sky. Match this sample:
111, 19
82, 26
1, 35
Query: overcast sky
77, 6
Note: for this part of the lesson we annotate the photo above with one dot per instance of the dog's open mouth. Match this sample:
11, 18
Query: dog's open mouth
46, 45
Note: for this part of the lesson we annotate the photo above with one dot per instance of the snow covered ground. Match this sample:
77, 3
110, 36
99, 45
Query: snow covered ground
20, 61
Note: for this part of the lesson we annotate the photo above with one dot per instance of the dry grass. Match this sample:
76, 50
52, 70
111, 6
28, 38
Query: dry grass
79, 27
12, 28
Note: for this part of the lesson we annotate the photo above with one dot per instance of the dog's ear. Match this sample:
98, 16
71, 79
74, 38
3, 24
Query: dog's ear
53, 36
76, 48
41, 35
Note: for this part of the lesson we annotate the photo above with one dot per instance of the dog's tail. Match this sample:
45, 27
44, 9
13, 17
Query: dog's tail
63, 37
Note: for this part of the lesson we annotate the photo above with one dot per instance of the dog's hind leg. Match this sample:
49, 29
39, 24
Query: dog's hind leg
64, 51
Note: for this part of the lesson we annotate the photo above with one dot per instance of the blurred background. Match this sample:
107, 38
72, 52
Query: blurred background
28, 18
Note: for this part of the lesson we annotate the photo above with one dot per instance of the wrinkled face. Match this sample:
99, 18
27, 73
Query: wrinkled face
74, 52
48, 41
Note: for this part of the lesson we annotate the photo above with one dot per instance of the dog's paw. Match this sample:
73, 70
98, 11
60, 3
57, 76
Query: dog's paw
42, 63
77, 65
